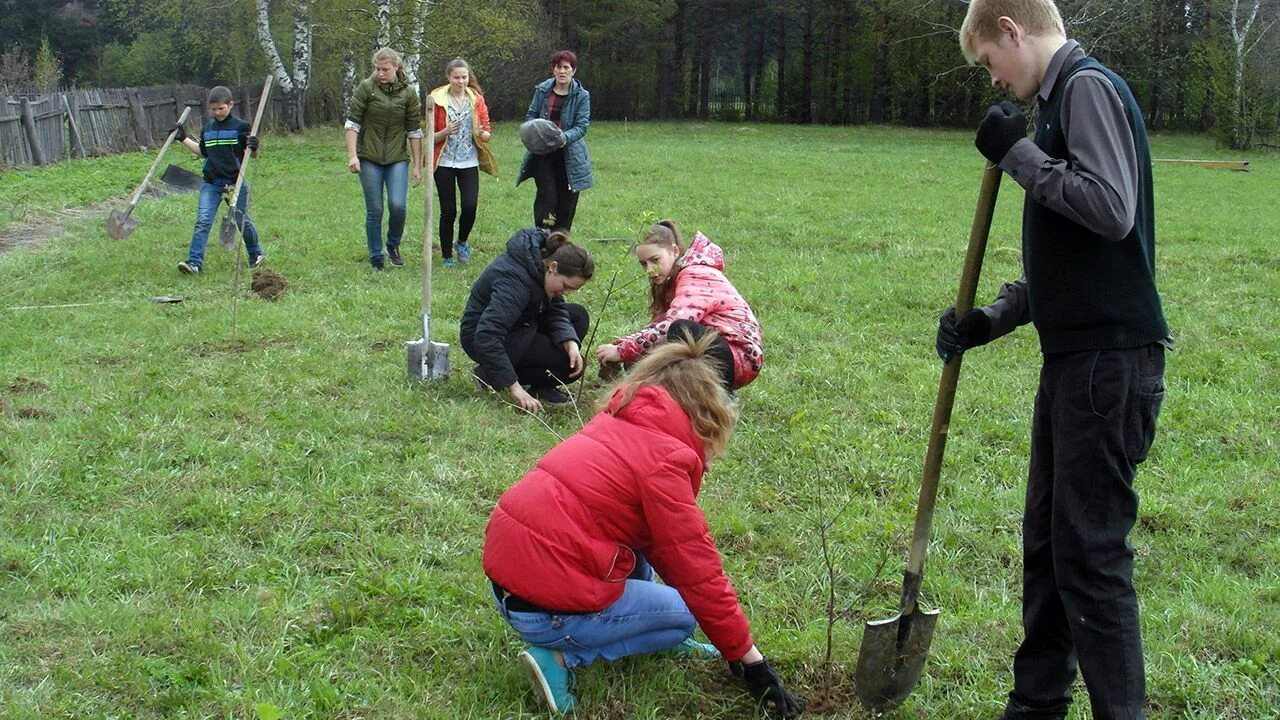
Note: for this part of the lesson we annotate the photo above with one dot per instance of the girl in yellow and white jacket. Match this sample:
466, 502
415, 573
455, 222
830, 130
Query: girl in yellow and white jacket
462, 131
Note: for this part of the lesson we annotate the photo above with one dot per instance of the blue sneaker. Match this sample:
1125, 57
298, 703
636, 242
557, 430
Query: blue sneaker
464, 253
448, 262
552, 681
693, 650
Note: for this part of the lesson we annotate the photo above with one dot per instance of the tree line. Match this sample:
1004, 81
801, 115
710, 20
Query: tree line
1195, 65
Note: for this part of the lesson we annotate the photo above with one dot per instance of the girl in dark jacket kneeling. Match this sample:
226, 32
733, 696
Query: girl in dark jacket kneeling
517, 325
571, 550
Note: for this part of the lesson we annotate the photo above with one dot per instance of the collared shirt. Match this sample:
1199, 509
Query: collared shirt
1097, 184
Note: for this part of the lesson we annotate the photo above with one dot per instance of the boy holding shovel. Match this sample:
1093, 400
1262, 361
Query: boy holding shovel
1088, 286
222, 144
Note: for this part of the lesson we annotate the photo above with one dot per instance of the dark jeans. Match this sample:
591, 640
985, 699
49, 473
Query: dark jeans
1094, 421
555, 204
719, 350
468, 182
546, 356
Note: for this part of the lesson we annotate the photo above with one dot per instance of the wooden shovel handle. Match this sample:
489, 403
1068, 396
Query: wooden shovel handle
428, 202
253, 132
947, 390
137, 195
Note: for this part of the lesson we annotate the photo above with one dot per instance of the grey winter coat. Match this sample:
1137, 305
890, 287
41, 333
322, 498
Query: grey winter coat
508, 306
575, 116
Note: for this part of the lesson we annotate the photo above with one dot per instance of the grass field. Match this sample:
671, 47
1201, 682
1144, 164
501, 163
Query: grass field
278, 522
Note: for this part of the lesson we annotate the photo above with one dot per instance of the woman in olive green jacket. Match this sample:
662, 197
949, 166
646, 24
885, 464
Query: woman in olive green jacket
385, 116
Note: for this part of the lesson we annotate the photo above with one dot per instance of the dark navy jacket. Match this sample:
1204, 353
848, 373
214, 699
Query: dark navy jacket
508, 306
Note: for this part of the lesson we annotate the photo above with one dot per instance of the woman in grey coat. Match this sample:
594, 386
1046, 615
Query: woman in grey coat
563, 173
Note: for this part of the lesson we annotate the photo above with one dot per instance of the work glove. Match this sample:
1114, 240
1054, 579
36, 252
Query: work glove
179, 133
252, 143
956, 336
1003, 126
764, 685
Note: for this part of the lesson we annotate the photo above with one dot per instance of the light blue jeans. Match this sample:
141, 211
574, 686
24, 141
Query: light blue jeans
207, 209
648, 618
373, 178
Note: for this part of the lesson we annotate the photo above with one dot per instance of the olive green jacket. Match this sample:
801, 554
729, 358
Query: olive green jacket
384, 117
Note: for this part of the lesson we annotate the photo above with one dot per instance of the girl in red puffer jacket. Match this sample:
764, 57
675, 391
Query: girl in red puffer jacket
691, 295
572, 548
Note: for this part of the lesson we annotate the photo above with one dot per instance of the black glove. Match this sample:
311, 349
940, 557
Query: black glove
956, 336
1003, 126
252, 143
764, 685
179, 133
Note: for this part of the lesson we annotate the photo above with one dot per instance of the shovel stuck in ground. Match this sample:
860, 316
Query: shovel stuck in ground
121, 224
428, 360
893, 651
233, 221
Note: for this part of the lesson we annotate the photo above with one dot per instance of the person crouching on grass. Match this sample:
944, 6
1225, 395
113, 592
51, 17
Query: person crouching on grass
517, 325
222, 144
690, 293
572, 548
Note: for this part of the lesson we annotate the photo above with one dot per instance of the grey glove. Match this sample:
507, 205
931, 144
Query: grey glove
541, 136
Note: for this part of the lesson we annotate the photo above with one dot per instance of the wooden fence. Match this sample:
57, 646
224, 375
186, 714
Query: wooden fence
45, 128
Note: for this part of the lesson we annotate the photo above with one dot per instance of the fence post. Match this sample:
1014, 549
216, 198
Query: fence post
141, 129
33, 137
73, 123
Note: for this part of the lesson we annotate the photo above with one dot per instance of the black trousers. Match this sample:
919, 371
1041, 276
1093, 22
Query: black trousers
555, 204
1094, 422
544, 363
719, 350
468, 182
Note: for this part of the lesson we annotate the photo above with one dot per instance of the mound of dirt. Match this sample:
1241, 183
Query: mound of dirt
24, 384
268, 284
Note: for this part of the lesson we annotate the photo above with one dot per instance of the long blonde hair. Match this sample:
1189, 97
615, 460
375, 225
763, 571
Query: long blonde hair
682, 367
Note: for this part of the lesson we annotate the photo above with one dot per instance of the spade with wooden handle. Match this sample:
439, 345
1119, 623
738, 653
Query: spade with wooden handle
233, 221
121, 224
893, 651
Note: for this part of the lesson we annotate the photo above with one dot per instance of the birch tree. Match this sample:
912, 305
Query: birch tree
1240, 28
292, 85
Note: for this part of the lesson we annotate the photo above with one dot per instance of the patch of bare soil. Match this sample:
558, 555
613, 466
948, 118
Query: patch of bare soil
43, 228
268, 284
24, 384
34, 413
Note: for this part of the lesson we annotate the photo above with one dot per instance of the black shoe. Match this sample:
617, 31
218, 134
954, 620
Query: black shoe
255, 260
394, 254
188, 268
377, 263
551, 395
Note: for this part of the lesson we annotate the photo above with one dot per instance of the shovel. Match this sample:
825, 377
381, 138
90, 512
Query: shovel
121, 224
233, 221
893, 651
428, 360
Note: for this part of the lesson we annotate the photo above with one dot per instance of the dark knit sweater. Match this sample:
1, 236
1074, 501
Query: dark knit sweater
1086, 292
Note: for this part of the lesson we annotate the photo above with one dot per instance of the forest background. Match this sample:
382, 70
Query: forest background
1195, 65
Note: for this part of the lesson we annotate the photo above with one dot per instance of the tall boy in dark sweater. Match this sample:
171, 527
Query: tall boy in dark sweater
1088, 286
222, 144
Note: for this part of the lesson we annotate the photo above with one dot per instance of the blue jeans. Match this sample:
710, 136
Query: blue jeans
373, 177
648, 618
207, 209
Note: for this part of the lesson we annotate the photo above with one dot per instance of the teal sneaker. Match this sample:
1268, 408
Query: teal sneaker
448, 262
552, 681
693, 650
464, 253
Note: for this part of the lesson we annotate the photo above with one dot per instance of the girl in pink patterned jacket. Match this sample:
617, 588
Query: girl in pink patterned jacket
691, 295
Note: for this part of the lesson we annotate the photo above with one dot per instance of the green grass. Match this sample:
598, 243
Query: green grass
197, 524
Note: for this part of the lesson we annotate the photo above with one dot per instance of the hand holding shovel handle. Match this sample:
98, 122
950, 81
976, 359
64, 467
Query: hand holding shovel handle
232, 223
121, 224
893, 651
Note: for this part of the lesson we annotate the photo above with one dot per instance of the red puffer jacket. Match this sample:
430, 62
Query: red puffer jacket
566, 535
705, 296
